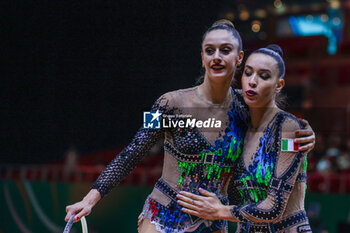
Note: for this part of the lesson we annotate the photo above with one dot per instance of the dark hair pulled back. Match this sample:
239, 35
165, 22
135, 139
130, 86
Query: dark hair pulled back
276, 53
224, 24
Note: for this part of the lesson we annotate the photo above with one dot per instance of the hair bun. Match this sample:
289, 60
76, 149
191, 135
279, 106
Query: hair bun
275, 48
224, 22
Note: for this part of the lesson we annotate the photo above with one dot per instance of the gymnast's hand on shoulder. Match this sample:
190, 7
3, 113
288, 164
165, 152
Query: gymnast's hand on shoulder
305, 137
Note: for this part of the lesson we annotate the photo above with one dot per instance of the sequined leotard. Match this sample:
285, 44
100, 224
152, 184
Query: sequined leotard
272, 186
194, 157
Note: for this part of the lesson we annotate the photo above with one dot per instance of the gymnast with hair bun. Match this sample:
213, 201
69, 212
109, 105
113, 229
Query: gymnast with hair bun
194, 157
269, 181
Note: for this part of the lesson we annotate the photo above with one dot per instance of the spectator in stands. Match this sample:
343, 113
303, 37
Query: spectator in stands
328, 163
324, 165
334, 145
70, 163
343, 161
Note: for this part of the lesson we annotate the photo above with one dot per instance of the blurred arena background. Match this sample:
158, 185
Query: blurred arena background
77, 76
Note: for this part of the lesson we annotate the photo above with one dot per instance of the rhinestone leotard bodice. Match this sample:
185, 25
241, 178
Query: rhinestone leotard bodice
194, 157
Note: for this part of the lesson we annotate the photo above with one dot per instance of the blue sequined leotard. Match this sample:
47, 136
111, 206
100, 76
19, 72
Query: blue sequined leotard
272, 185
194, 157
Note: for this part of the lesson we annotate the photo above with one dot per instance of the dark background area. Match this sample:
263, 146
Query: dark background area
79, 74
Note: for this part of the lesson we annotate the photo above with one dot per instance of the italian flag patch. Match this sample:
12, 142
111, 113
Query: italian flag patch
288, 144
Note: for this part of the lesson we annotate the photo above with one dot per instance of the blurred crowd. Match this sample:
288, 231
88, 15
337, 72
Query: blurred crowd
331, 154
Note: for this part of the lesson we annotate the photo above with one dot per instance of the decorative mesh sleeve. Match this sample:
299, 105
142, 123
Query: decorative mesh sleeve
132, 155
280, 186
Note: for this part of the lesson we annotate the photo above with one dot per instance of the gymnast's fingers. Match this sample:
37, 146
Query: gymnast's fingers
191, 195
84, 212
188, 206
206, 193
304, 122
307, 147
71, 209
309, 139
303, 132
191, 212
185, 199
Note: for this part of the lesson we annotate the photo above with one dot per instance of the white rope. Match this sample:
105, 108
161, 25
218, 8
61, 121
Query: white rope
84, 225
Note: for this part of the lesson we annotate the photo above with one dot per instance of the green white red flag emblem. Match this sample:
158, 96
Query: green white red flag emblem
289, 144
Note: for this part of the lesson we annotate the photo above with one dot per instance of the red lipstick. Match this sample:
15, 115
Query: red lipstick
251, 93
217, 67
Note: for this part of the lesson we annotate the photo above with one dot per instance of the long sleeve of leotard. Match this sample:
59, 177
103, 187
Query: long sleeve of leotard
131, 156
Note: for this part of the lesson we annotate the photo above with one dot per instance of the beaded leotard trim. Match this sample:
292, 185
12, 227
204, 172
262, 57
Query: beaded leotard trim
210, 169
199, 163
259, 180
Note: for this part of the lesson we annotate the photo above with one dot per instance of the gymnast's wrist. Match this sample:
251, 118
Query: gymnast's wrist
224, 213
92, 197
